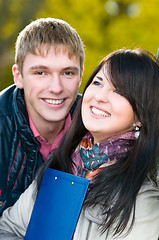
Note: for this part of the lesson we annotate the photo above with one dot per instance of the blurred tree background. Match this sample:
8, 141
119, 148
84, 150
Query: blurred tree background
104, 26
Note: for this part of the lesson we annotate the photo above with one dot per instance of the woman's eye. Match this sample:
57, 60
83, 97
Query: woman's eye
96, 83
117, 91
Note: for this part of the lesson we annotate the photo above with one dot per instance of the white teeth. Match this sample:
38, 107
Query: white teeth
52, 101
99, 112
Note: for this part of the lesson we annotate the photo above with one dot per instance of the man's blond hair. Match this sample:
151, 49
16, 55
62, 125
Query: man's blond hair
48, 32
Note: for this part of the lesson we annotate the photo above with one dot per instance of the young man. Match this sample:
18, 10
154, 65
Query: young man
36, 111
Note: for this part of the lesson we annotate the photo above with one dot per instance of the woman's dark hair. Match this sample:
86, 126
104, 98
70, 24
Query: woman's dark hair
135, 73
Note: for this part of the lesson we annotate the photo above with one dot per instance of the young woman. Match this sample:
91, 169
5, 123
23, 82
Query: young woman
114, 141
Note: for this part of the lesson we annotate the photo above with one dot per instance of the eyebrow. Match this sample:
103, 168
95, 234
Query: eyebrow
38, 67
71, 68
63, 69
99, 78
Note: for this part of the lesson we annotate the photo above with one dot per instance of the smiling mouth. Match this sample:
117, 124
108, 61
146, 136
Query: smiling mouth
100, 112
53, 101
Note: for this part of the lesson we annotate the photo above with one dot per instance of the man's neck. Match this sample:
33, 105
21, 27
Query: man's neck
49, 130
50, 133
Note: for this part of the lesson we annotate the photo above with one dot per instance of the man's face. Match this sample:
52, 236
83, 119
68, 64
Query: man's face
50, 82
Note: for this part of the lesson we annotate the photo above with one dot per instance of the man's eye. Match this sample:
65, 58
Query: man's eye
68, 73
39, 73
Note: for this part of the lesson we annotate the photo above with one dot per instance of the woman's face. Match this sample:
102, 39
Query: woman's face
106, 113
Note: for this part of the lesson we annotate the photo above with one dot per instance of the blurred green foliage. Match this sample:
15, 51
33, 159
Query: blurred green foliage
104, 26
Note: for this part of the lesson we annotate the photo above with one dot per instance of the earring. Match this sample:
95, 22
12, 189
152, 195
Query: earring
137, 132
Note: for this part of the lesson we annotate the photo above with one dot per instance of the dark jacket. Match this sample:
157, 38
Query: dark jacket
19, 150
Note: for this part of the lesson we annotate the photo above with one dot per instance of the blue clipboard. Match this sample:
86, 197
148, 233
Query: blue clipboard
57, 206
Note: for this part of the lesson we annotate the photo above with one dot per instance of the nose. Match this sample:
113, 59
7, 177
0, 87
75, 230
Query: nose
101, 95
55, 85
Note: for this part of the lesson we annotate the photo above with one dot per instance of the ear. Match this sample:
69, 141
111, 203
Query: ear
81, 77
17, 76
138, 123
